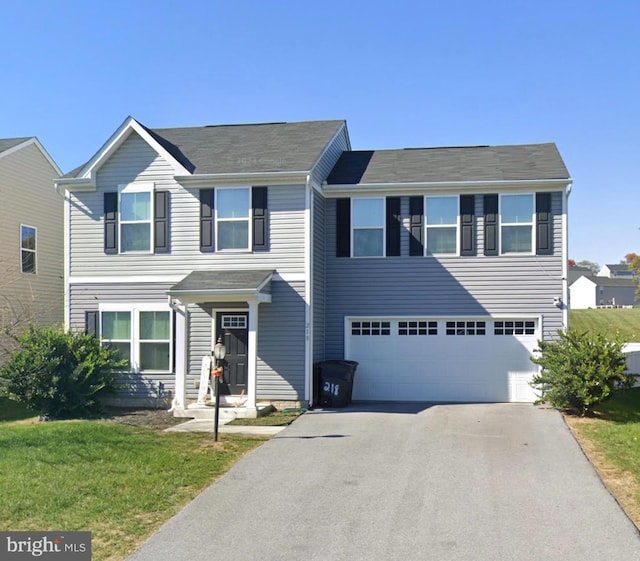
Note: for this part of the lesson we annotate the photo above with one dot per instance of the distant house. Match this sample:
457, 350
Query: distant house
436, 269
613, 286
31, 235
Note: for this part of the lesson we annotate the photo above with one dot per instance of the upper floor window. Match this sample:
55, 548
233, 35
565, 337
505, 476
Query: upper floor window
136, 213
232, 218
516, 223
367, 223
27, 249
441, 220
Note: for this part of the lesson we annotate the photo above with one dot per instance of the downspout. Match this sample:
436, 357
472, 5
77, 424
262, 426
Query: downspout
66, 211
308, 290
565, 256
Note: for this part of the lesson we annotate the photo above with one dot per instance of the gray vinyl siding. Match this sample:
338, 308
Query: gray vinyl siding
318, 277
26, 184
451, 286
136, 161
281, 340
87, 297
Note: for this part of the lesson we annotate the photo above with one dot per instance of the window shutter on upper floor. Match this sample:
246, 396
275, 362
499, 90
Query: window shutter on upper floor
343, 227
91, 323
111, 222
416, 225
467, 225
393, 220
207, 242
544, 226
491, 224
260, 214
161, 222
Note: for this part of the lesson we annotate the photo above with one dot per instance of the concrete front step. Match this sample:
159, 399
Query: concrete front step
227, 412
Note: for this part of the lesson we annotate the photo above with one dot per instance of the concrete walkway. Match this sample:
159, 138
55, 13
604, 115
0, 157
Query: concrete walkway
404, 482
206, 425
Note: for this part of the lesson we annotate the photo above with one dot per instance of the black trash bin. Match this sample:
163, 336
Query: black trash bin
334, 382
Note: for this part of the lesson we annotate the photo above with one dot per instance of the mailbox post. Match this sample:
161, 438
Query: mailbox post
219, 352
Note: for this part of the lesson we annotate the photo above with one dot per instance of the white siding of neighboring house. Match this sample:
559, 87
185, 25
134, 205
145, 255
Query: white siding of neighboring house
26, 184
583, 294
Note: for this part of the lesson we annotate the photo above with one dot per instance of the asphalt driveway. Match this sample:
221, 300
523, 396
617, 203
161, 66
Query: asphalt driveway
406, 482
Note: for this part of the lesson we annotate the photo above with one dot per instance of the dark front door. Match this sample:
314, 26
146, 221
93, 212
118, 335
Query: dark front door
233, 328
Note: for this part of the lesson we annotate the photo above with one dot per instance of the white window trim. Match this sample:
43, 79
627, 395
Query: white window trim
249, 219
383, 228
134, 309
34, 251
427, 226
532, 224
137, 187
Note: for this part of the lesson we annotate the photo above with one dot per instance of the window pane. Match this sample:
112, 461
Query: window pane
233, 235
154, 356
516, 239
367, 243
135, 237
441, 240
232, 203
368, 213
124, 351
135, 206
28, 261
154, 325
517, 209
442, 210
28, 236
116, 325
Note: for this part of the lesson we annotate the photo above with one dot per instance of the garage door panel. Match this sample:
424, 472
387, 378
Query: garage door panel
459, 367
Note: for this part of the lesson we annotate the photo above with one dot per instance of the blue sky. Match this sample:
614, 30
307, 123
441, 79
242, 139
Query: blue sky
401, 73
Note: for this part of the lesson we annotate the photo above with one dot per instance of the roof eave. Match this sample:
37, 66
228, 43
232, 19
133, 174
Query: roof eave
265, 177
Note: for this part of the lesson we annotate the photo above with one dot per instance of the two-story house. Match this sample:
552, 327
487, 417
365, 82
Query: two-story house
31, 236
613, 286
436, 269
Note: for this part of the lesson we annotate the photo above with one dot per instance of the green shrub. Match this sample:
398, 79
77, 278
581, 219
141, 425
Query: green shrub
59, 374
580, 370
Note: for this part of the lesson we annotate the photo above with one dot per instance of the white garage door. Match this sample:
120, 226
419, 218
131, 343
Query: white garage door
426, 359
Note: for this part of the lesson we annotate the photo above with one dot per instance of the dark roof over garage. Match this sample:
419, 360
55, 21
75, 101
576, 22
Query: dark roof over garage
465, 163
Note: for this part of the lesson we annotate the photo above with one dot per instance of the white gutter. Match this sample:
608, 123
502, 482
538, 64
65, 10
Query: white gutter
308, 289
565, 254
66, 273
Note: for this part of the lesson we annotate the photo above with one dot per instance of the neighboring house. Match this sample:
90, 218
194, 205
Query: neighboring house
436, 269
595, 291
617, 271
31, 235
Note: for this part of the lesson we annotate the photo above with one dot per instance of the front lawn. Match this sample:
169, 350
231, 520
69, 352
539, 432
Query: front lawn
121, 482
611, 322
611, 440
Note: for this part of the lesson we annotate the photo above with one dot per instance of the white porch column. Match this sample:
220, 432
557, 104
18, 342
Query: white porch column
252, 354
181, 357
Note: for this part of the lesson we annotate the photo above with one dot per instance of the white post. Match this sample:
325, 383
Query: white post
181, 358
252, 355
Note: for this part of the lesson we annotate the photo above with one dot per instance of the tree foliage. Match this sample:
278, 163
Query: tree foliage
57, 373
580, 370
592, 266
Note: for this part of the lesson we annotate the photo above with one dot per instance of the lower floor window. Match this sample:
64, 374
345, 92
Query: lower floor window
371, 328
514, 328
466, 328
142, 337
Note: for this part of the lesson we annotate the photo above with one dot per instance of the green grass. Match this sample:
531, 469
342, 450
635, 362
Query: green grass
615, 434
624, 322
118, 481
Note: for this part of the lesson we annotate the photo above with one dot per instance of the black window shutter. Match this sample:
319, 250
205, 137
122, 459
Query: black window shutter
393, 226
467, 225
259, 206
161, 222
544, 235
343, 227
91, 323
416, 223
111, 222
491, 224
206, 220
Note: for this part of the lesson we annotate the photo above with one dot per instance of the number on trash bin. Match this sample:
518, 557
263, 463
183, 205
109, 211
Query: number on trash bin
333, 389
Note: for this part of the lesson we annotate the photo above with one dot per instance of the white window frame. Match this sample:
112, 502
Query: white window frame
531, 224
134, 310
34, 251
136, 187
382, 227
428, 226
248, 219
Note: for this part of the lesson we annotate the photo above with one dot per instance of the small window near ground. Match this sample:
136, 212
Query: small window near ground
514, 327
466, 328
28, 249
371, 328
417, 328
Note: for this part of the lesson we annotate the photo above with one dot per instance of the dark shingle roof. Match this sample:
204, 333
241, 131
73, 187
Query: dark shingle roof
619, 267
220, 280
574, 273
268, 147
606, 281
6, 143
470, 163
